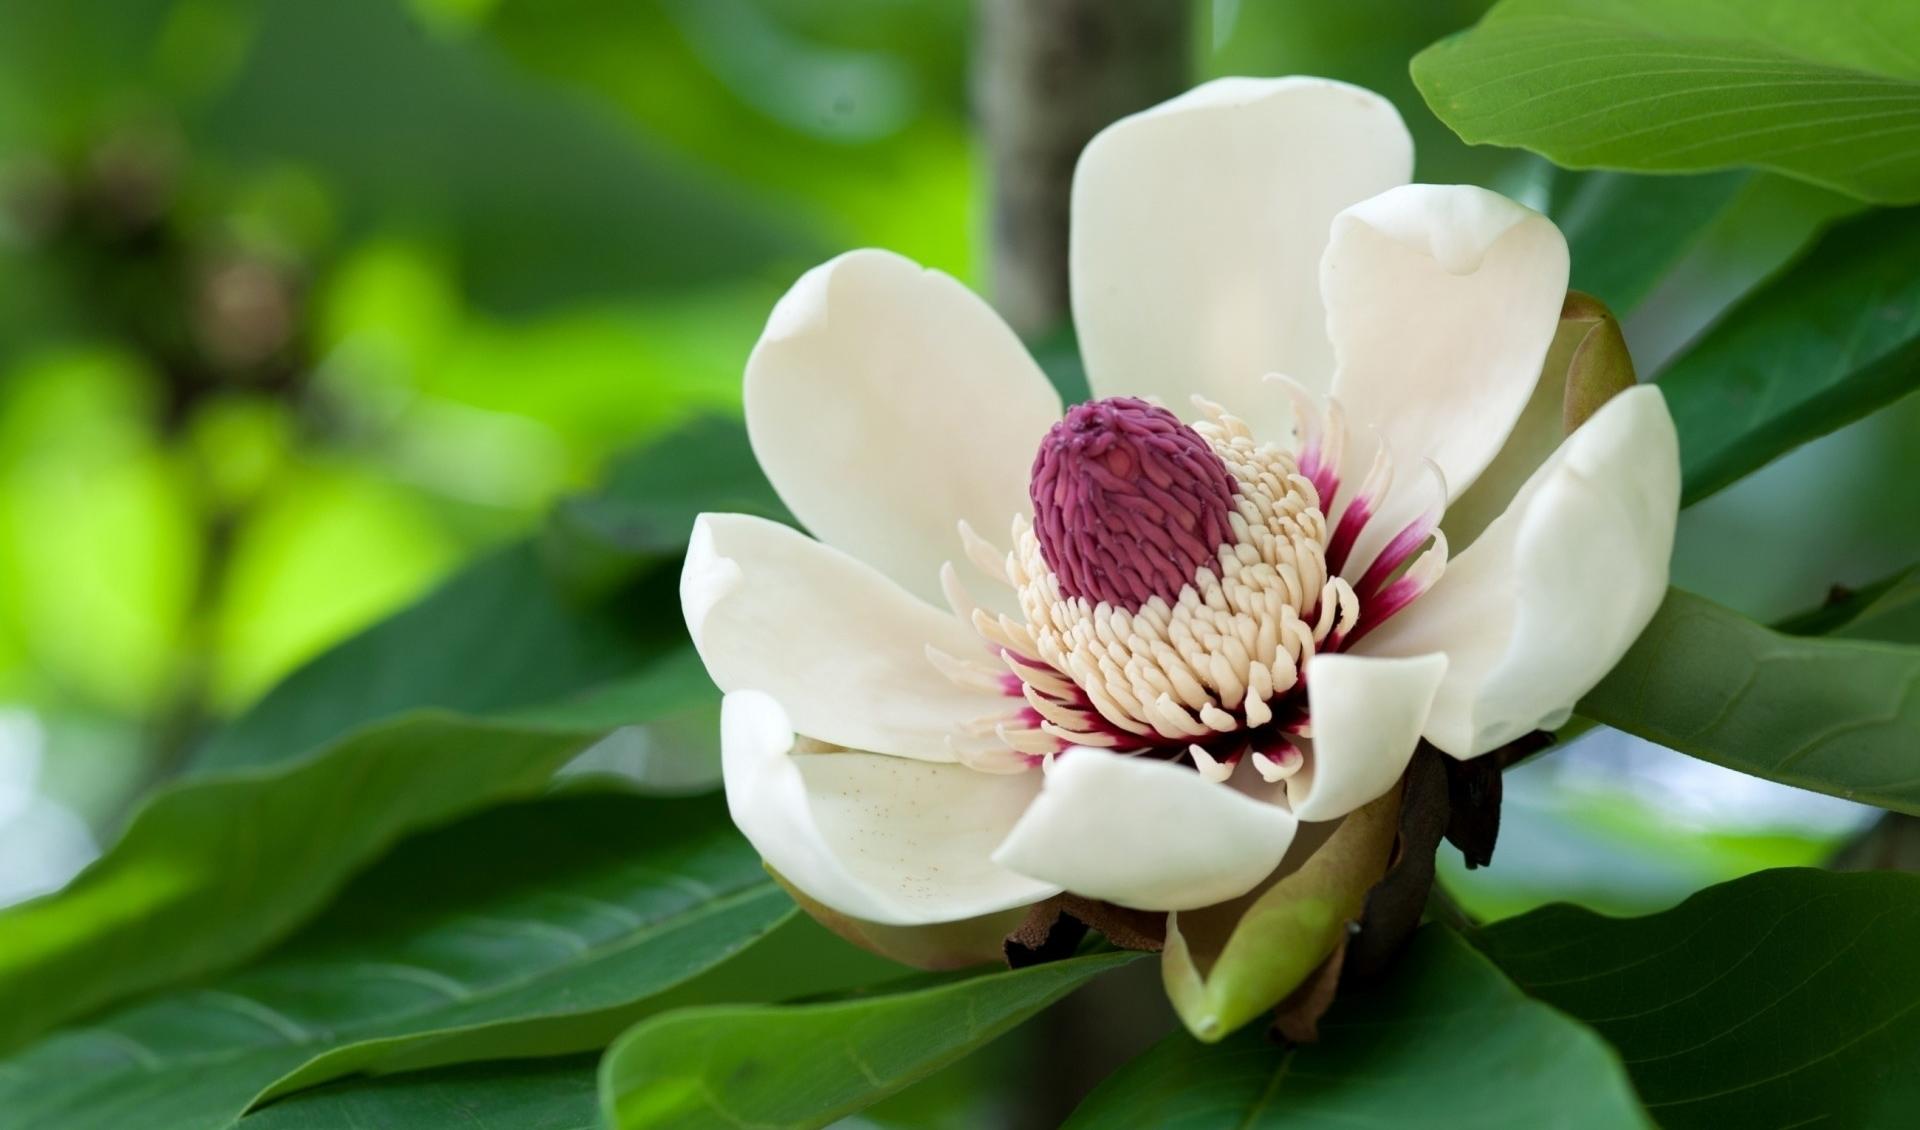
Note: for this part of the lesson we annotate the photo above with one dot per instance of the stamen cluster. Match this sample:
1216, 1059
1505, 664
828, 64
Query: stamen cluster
1172, 585
1207, 656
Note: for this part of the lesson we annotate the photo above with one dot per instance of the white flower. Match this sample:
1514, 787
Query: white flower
1203, 632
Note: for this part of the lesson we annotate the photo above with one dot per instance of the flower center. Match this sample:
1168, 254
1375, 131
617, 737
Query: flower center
1177, 575
1128, 502
1172, 585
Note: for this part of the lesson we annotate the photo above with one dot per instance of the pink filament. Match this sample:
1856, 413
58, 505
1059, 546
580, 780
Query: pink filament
1397, 552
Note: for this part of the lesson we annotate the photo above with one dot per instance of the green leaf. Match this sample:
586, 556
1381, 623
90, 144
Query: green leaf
1888, 609
1831, 340
651, 496
1671, 254
1624, 233
808, 1065
1444, 1041
549, 1094
1833, 715
1827, 93
498, 636
1784, 998
211, 870
535, 929
852, 116
549, 201
585, 613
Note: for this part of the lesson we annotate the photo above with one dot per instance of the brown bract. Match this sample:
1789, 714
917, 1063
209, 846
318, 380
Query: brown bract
1055, 928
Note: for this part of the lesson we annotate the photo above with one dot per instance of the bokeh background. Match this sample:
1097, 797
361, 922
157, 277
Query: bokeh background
305, 304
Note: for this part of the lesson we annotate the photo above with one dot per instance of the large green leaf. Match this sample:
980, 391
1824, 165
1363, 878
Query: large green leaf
500, 635
1822, 345
650, 497
808, 1065
211, 870
549, 1094
1828, 93
1672, 254
1625, 232
1787, 998
1445, 1041
534, 929
1839, 716
587, 612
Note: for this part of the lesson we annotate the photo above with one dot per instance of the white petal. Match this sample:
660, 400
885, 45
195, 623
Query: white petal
892, 841
1544, 602
1197, 232
887, 402
1145, 833
940, 945
839, 645
1441, 302
1367, 714
1587, 361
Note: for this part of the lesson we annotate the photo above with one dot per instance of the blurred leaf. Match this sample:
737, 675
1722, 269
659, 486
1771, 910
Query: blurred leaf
98, 529
1824, 344
498, 636
546, 200
1367, 42
211, 870
1836, 716
1058, 356
1625, 232
1784, 998
852, 114
706, 465
534, 1094
436, 381
1769, 222
807, 1065
585, 616
329, 550
1445, 1040
651, 497
1892, 614
63, 66
1884, 610
1828, 93
536, 929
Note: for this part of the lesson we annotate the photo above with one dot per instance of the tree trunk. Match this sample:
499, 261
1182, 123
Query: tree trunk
1048, 74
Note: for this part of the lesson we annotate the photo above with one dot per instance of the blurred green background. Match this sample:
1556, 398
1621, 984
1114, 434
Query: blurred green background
304, 304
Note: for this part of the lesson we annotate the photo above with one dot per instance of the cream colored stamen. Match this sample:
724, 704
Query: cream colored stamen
1209, 661
1273, 770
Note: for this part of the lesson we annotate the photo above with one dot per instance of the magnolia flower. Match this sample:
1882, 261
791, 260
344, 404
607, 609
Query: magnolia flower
1123, 651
